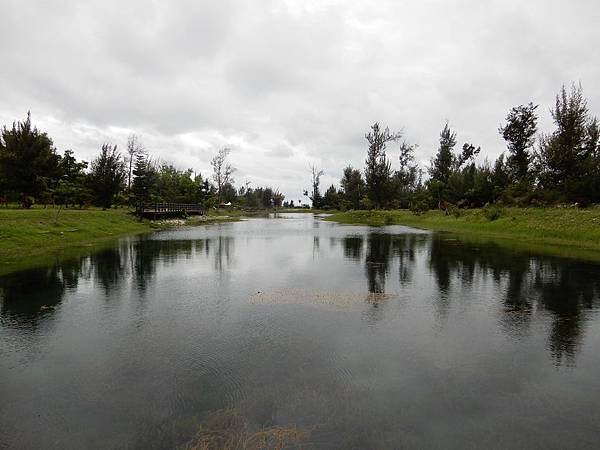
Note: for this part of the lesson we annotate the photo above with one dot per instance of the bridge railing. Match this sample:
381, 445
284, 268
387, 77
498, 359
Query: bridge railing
173, 207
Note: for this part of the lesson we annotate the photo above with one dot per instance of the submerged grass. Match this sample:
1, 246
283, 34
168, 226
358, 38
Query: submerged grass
568, 231
229, 430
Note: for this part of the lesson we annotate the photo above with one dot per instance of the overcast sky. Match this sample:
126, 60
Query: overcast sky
286, 84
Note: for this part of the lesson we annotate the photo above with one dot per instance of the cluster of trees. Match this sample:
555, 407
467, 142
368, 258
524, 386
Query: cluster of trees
32, 171
560, 167
158, 183
536, 168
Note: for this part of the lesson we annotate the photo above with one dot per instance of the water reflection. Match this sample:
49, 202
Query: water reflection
377, 261
353, 247
32, 295
527, 285
161, 328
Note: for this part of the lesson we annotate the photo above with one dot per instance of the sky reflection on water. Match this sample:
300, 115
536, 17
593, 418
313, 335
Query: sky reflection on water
372, 338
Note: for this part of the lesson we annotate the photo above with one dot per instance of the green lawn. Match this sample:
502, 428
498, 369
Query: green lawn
567, 231
36, 236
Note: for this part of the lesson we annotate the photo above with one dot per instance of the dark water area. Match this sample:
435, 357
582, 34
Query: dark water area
357, 337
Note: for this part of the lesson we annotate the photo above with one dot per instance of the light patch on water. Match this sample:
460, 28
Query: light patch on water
331, 300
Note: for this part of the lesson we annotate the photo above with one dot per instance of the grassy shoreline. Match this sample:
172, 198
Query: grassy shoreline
569, 232
41, 236
37, 236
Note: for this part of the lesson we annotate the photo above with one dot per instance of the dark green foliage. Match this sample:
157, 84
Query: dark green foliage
564, 168
29, 164
442, 164
407, 178
568, 159
278, 199
500, 177
492, 212
456, 178
260, 198
378, 169
331, 199
469, 152
107, 175
353, 188
145, 181
519, 133
181, 186
71, 188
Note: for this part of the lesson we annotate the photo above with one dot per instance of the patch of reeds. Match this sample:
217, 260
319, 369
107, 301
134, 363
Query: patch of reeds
228, 430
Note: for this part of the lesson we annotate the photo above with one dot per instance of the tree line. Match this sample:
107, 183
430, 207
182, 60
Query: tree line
535, 169
32, 171
562, 166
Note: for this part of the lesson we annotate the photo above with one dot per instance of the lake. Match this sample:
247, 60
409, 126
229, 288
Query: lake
294, 331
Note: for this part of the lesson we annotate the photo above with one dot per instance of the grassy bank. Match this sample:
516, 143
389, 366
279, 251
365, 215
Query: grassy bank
568, 231
37, 236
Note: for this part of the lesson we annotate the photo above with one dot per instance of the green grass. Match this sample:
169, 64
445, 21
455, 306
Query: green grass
37, 236
566, 231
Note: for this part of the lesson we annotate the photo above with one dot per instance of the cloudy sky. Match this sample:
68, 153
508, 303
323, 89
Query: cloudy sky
286, 84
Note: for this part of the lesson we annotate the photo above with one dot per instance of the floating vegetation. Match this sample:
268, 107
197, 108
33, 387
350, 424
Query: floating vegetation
227, 429
326, 299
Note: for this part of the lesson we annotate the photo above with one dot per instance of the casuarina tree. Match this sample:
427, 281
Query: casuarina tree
107, 175
519, 133
378, 169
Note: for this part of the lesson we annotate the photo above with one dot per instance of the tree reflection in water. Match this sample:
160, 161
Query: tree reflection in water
526, 286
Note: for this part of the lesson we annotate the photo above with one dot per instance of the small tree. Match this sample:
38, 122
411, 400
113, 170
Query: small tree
315, 194
134, 148
378, 169
519, 133
406, 177
29, 164
353, 187
145, 181
278, 198
331, 199
568, 158
222, 170
107, 175
71, 188
442, 164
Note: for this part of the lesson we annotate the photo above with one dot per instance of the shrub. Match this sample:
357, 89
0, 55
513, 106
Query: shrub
418, 207
27, 201
453, 210
492, 212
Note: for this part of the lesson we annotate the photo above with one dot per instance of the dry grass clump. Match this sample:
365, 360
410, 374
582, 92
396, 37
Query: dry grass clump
228, 430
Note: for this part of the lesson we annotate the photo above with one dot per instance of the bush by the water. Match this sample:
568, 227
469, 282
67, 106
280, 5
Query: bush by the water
492, 212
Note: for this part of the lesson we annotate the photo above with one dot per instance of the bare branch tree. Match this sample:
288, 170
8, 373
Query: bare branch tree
315, 195
222, 170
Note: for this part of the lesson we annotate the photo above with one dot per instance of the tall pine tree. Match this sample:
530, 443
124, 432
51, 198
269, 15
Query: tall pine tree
378, 170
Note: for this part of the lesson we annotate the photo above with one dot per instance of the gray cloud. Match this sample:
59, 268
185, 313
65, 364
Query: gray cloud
287, 83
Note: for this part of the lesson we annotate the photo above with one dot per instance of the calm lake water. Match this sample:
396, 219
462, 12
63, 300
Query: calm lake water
345, 336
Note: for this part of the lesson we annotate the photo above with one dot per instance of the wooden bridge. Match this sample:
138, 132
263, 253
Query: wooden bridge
164, 210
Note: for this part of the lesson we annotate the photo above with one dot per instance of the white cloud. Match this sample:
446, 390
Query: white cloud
287, 83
